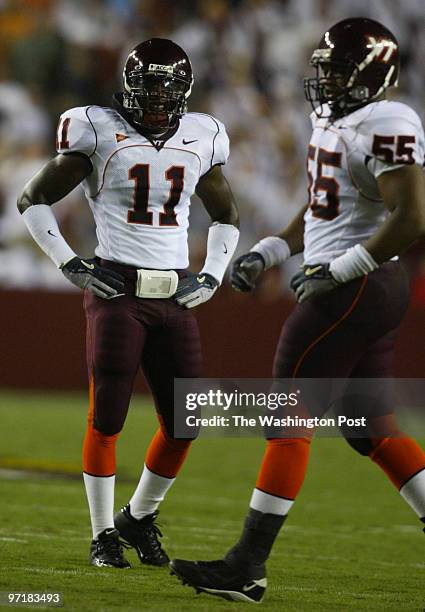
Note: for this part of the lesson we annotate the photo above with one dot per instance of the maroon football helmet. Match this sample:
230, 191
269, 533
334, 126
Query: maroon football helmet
157, 81
357, 59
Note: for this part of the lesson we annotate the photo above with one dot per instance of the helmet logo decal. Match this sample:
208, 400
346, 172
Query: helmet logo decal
381, 49
162, 67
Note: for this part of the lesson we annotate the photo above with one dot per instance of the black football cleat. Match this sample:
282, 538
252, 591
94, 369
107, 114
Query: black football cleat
218, 578
143, 535
106, 550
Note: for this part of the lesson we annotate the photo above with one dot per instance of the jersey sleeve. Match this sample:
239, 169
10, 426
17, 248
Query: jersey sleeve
220, 153
215, 149
76, 133
393, 140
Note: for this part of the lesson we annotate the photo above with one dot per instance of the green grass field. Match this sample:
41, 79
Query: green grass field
350, 542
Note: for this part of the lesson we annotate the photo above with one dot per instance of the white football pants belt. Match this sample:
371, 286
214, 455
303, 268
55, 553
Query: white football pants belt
156, 284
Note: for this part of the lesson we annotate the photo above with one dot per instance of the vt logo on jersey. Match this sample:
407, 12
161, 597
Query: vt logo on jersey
158, 144
120, 137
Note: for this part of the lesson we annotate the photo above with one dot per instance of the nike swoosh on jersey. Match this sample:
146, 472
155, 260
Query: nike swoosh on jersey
225, 247
51, 233
311, 271
89, 266
120, 137
261, 583
186, 142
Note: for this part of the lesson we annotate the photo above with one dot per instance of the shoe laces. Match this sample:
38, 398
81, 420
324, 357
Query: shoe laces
114, 546
153, 532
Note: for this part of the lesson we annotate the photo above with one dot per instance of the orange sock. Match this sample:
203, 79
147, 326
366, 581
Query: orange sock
400, 457
166, 455
99, 457
284, 466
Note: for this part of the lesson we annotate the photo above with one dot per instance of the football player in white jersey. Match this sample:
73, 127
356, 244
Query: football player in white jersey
366, 205
139, 163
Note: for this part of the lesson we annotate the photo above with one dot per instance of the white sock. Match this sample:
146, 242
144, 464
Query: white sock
270, 504
413, 493
100, 495
149, 493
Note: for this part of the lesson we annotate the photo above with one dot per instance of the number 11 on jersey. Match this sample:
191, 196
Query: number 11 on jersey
140, 212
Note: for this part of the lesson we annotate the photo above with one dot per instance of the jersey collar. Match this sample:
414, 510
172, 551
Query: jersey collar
157, 141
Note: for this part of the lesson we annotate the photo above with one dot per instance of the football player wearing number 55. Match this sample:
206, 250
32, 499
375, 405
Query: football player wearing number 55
139, 162
366, 205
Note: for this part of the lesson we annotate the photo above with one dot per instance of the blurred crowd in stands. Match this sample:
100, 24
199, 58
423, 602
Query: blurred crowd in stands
249, 58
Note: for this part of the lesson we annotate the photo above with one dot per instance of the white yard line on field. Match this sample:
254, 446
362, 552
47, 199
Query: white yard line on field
18, 541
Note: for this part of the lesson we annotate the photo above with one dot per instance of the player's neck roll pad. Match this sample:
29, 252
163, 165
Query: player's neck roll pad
156, 283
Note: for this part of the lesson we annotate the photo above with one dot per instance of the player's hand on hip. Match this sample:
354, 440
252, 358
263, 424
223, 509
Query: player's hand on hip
87, 274
245, 271
313, 280
195, 289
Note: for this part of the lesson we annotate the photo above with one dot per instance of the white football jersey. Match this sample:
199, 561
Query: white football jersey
139, 193
345, 159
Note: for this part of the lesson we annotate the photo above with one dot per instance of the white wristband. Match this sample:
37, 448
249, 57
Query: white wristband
43, 227
355, 262
222, 242
274, 250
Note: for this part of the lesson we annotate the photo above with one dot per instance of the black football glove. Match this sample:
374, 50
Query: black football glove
87, 274
313, 280
245, 271
195, 289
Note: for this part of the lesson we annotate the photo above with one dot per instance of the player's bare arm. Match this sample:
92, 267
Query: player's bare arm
269, 252
293, 234
216, 195
403, 193
53, 182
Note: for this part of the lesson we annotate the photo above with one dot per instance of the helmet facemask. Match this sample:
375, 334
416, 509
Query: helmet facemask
156, 98
335, 84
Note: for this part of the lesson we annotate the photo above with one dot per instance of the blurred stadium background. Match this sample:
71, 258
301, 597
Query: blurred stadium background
249, 58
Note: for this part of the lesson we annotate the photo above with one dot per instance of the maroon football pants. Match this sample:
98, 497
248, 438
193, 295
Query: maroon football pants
347, 333
126, 333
